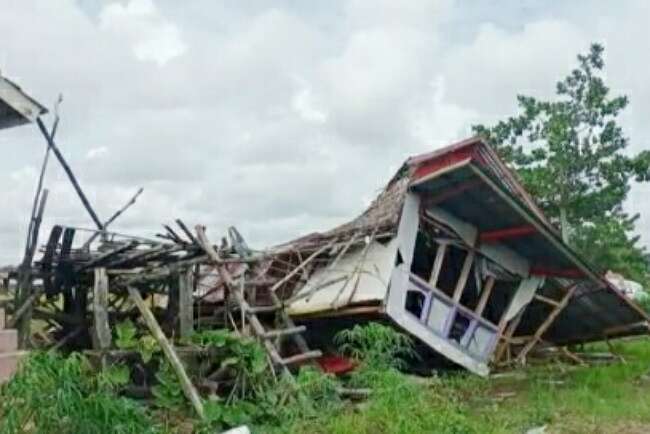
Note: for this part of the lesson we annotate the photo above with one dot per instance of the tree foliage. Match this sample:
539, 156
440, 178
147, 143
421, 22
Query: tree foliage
571, 155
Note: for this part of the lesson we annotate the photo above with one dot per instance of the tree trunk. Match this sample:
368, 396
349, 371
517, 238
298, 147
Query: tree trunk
564, 225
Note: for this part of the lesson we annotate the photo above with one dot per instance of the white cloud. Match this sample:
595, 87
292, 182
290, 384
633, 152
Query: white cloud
280, 120
304, 105
152, 36
96, 153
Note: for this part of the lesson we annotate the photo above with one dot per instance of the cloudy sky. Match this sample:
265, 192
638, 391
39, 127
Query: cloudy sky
281, 117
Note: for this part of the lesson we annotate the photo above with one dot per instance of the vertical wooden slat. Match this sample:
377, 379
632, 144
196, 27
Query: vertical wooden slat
485, 295
186, 304
437, 265
507, 334
464, 274
101, 328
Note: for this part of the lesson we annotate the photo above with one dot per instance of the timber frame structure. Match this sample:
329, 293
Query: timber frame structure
453, 252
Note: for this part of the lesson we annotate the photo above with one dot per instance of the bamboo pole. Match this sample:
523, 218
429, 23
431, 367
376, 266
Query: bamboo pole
168, 350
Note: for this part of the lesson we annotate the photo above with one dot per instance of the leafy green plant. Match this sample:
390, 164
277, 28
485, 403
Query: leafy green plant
126, 338
377, 345
168, 391
243, 357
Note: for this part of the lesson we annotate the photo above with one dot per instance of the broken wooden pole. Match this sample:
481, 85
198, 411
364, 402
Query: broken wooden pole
101, 326
68, 171
41, 178
118, 213
485, 296
175, 362
186, 304
437, 264
464, 274
24, 294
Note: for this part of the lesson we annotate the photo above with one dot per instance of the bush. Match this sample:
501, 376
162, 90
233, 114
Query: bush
376, 345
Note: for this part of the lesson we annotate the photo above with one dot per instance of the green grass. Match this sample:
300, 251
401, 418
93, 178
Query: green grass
56, 395
611, 398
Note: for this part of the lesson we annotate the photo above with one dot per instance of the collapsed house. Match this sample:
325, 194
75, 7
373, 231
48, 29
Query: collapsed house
452, 252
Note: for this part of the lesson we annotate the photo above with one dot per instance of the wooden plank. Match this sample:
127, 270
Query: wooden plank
301, 357
99, 260
547, 300
626, 327
186, 304
437, 265
464, 274
507, 335
485, 295
187, 232
101, 327
271, 334
188, 388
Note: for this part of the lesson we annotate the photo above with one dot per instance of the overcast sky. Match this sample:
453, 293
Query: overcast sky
281, 117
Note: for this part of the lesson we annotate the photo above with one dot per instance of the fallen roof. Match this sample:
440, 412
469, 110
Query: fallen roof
16, 107
470, 181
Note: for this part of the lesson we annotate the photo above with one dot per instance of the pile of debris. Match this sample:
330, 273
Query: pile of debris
453, 252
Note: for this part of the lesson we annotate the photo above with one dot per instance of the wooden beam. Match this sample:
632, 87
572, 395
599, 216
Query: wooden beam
437, 264
119, 212
101, 327
186, 304
507, 233
547, 323
569, 273
546, 300
506, 334
626, 327
464, 274
175, 362
485, 295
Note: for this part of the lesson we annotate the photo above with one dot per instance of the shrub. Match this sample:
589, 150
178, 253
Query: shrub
56, 394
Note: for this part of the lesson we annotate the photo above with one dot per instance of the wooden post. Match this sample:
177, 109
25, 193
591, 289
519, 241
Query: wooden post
101, 329
168, 350
464, 274
186, 304
505, 336
437, 265
485, 295
24, 299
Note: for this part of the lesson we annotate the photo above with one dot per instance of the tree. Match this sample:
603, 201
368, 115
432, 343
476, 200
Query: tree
570, 154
